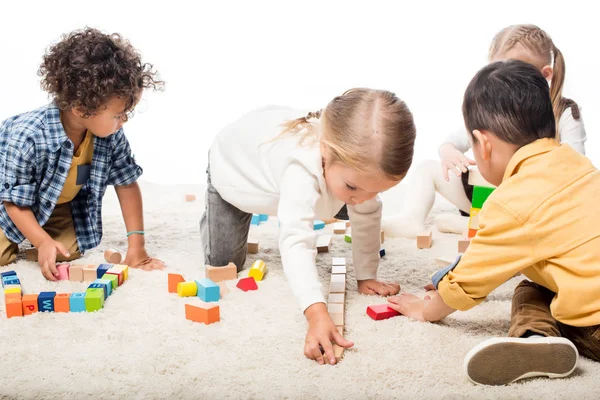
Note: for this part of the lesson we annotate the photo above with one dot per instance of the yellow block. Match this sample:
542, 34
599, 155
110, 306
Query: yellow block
187, 289
124, 269
12, 290
258, 270
474, 218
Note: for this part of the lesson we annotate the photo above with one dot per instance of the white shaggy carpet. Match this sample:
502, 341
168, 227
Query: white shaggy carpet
141, 346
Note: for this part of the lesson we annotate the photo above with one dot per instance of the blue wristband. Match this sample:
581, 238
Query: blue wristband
135, 232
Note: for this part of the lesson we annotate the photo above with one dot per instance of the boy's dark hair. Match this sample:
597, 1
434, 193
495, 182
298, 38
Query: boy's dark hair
510, 99
87, 67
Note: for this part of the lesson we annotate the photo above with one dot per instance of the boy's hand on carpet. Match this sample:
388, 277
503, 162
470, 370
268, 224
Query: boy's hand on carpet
372, 286
47, 251
321, 333
137, 257
408, 305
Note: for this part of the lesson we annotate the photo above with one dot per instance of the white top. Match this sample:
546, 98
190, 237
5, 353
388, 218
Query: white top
281, 177
572, 132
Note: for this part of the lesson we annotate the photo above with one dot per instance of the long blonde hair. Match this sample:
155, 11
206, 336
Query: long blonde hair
365, 129
543, 52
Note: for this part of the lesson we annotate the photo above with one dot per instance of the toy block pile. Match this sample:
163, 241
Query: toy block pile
105, 279
257, 219
336, 301
481, 191
212, 288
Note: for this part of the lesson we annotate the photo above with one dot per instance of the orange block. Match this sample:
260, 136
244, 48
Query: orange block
14, 307
174, 279
30, 304
205, 313
472, 233
62, 302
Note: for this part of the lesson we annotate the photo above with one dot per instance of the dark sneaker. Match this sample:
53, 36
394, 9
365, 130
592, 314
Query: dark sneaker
500, 361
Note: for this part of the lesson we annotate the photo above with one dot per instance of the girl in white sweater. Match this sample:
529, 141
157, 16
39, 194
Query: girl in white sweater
301, 168
527, 43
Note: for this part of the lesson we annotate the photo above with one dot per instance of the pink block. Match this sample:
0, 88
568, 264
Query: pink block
63, 271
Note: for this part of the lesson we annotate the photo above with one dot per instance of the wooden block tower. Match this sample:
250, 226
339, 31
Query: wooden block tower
481, 191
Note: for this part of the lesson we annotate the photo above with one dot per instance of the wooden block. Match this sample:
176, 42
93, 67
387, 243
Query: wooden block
218, 274
113, 256
338, 352
190, 197
323, 243
336, 298
12, 289
203, 313
476, 179
382, 253
90, 273
252, 246
381, 311
77, 302
63, 271
338, 269
336, 311
187, 289
118, 272
318, 224
258, 270
94, 300
174, 279
444, 261
382, 236
7, 273
463, 244
330, 221
339, 228
14, 305
62, 302
348, 237
246, 284
122, 268
338, 261
208, 291
424, 240
472, 233
338, 283
474, 218
114, 279
31, 254
10, 280
30, 304
76, 273
46, 301
223, 289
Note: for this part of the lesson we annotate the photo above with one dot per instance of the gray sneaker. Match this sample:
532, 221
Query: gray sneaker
500, 361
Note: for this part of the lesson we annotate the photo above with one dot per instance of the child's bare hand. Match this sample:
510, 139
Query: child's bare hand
47, 251
137, 257
321, 333
452, 159
408, 305
372, 286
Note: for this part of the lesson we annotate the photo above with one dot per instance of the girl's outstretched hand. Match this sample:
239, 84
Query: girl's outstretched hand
373, 286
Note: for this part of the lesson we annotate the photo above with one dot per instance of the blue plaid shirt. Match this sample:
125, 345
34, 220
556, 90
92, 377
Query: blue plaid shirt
35, 157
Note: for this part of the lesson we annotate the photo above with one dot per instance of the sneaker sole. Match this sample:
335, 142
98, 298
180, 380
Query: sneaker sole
500, 361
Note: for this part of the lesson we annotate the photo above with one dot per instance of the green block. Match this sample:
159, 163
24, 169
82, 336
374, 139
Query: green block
113, 278
480, 195
94, 299
348, 238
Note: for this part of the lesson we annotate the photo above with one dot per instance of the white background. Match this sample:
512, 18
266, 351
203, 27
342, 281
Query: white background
221, 59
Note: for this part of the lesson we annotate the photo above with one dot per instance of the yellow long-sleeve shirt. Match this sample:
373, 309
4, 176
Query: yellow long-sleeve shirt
542, 221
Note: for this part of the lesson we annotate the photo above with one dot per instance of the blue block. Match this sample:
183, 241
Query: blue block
208, 290
46, 301
255, 219
319, 224
7, 273
10, 280
102, 268
382, 253
77, 302
108, 284
99, 286
263, 217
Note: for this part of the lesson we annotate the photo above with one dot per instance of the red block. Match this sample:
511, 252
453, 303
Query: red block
381, 311
247, 284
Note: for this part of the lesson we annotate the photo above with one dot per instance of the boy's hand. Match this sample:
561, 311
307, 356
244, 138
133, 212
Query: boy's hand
372, 286
408, 305
47, 251
321, 333
137, 257
452, 159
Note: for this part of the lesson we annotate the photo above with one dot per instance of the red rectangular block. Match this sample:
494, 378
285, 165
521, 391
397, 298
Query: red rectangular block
381, 311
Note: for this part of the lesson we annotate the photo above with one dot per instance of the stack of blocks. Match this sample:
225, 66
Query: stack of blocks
481, 191
106, 278
336, 300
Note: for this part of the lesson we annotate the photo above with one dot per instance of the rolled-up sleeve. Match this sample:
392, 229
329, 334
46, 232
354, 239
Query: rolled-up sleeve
17, 182
123, 170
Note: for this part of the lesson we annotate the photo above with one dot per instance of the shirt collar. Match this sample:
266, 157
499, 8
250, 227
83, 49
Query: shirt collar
540, 146
56, 132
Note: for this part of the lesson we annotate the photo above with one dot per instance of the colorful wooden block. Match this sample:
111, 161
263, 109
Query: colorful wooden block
318, 224
7, 273
103, 269
252, 246
338, 261
10, 280
63, 271
339, 228
255, 219
113, 279
338, 283
12, 289
258, 270
474, 219
101, 286
246, 284
106, 282
223, 289
381, 311
187, 289
480, 195
203, 313
112, 256
348, 237
424, 240
338, 269
62, 302
118, 273
382, 253
174, 279
124, 269
30, 304
46, 301
263, 217
94, 300
76, 273
323, 243
218, 274
208, 291
90, 273
77, 302
463, 245
336, 298
14, 305
471, 233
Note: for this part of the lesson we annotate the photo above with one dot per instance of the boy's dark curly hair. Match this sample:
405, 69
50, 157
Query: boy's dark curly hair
87, 68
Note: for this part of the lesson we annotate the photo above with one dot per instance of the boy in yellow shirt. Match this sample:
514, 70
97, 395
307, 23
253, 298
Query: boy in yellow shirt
540, 221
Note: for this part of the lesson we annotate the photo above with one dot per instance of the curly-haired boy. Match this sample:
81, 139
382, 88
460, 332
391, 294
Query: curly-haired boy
56, 161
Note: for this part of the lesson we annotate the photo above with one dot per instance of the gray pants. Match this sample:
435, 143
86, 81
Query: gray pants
223, 230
